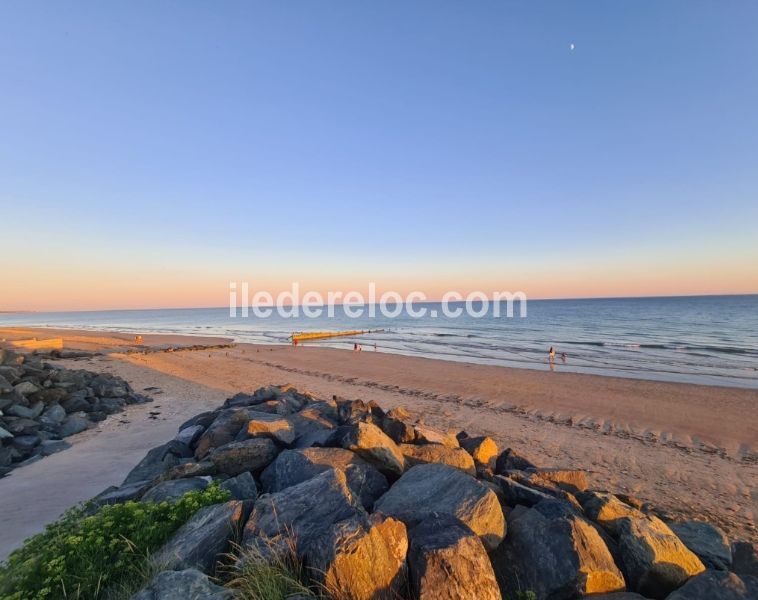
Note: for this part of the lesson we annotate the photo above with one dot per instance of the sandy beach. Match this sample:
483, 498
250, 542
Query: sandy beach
690, 449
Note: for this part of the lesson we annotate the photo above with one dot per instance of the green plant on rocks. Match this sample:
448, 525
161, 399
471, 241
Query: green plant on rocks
85, 557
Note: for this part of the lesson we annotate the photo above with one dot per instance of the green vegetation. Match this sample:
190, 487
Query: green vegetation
82, 557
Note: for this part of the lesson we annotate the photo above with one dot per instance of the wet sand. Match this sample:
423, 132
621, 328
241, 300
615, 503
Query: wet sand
689, 449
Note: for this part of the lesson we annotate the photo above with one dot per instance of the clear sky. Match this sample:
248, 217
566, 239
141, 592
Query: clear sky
152, 151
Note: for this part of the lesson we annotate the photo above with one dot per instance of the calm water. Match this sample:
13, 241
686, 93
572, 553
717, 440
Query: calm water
707, 339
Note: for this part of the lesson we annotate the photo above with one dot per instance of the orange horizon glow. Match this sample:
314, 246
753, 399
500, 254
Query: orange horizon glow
102, 291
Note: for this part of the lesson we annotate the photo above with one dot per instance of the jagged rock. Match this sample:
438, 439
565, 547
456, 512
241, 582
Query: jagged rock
189, 469
241, 487
53, 415
655, 561
241, 399
48, 447
21, 426
156, 462
275, 427
510, 460
174, 489
50, 396
5, 386
708, 542
745, 558
351, 412
361, 558
221, 431
5, 434
26, 388
437, 453
248, 455
483, 450
204, 419
189, 435
304, 511
189, 584
314, 424
73, 424
427, 435
571, 480
25, 443
116, 495
77, 403
20, 411
556, 553
425, 489
371, 444
396, 424
111, 406
447, 561
315, 437
607, 510
514, 493
295, 466
718, 585
202, 540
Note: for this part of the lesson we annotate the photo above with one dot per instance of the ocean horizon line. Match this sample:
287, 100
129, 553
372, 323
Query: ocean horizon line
422, 302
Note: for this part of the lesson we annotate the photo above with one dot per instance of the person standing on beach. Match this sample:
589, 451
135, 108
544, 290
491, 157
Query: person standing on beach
551, 354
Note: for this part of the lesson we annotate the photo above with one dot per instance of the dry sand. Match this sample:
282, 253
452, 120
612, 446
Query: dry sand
688, 449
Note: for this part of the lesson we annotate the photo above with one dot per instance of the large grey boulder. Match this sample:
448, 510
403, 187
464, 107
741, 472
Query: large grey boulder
718, 585
301, 513
708, 542
275, 427
156, 462
241, 487
427, 435
53, 415
189, 435
655, 561
221, 431
514, 493
372, 444
172, 490
510, 460
116, 495
423, 454
426, 489
189, 584
553, 551
295, 466
607, 510
483, 450
571, 480
745, 558
247, 455
396, 424
203, 540
361, 558
75, 423
26, 388
447, 561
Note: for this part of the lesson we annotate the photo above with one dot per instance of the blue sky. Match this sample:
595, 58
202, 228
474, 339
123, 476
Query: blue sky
442, 142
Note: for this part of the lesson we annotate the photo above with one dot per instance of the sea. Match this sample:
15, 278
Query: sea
695, 339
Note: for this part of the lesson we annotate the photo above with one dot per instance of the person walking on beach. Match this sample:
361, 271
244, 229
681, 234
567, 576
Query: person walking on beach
355, 347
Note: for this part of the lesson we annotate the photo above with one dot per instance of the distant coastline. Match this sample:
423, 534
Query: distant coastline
707, 340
